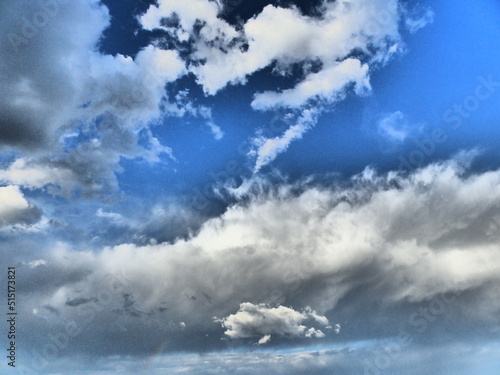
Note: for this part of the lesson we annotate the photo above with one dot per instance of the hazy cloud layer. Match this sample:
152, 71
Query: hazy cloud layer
458, 359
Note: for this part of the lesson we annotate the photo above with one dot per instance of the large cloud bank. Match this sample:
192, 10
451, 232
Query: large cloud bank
287, 255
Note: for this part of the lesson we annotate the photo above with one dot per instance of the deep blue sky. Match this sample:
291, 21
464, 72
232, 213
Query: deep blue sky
283, 186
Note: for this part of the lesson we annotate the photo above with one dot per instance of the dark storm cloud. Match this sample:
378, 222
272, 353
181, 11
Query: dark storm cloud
55, 86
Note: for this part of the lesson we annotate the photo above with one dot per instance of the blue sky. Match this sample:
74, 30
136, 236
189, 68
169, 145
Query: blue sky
306, 186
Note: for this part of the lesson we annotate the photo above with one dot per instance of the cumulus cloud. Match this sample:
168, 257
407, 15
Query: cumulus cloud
398, 239
15, 209
57, 76
261, 320
264, 340
70, 111
229, 55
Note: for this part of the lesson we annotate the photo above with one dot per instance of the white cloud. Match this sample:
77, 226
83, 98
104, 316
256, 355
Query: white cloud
32, 175
418, 18
261, 320
264, 340
109, 215
216, 131
394, 127
15, 209
132, 90
267, 149
37, 263
343, 28
328, 84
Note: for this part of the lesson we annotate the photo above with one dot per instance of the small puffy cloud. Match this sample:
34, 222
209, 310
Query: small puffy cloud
15, 209
260, 320
264, 340
113, 216
417, 18
37, 263
394, 127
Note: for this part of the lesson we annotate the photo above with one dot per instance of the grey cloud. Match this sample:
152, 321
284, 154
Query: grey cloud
15, 209
80, 301
34, 76
52, 309
366, 256
89, 168
55, 88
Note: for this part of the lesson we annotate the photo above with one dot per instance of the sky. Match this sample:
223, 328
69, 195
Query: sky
248, 187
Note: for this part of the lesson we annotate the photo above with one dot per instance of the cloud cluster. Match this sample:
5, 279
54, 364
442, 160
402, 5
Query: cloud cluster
284, 37
59, 88
335, 51
389, 241
86, 168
